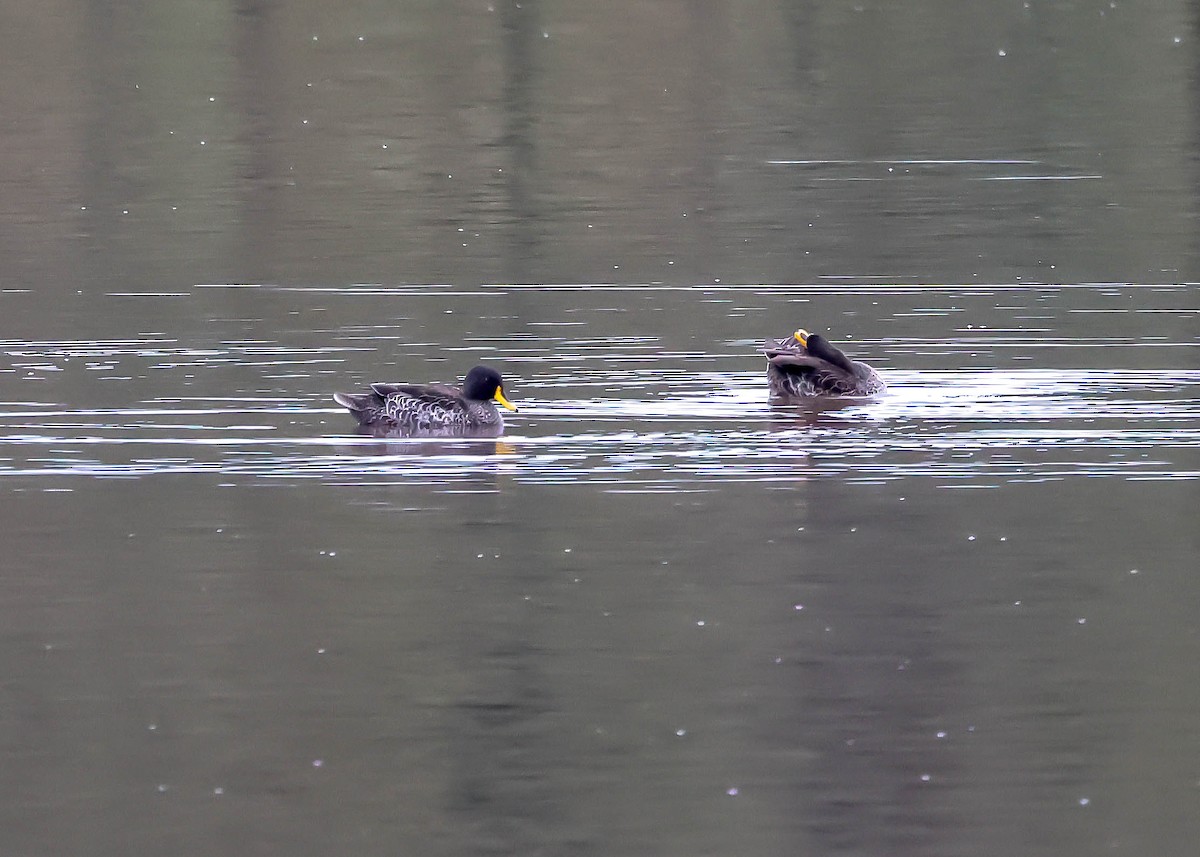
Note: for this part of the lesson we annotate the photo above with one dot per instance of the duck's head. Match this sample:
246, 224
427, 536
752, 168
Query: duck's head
483, 383
820, 347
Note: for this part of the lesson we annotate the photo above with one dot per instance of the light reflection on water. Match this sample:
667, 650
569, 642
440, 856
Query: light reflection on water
663, 429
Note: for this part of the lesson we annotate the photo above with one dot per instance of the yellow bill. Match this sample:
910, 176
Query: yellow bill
499, 397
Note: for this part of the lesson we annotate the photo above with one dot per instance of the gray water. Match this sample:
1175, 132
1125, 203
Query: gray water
660, 615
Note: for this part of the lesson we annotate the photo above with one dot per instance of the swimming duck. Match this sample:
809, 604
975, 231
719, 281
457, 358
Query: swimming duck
432, 409
805, 364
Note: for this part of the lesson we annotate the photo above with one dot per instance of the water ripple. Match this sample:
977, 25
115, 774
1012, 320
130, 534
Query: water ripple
660, 431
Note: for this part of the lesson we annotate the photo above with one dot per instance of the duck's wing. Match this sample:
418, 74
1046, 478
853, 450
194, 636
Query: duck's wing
820, 375
799, 361
431, 393
419, 404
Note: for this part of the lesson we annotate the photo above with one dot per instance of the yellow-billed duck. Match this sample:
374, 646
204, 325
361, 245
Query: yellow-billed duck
805, 365
432, 409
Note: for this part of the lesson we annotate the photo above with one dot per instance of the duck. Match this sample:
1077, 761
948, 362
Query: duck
432, 410
805, 365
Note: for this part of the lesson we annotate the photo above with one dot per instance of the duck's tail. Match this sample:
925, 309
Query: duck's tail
362, 405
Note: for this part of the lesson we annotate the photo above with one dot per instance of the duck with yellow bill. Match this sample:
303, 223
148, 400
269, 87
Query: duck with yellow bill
432, 410
805, 365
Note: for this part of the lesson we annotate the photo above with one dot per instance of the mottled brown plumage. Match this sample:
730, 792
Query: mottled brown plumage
804, 365
432, 410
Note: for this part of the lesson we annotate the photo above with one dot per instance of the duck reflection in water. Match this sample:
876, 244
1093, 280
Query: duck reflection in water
814, 412
431, 410
805, 366
398, 446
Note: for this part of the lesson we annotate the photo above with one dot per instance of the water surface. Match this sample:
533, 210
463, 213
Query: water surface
660, 615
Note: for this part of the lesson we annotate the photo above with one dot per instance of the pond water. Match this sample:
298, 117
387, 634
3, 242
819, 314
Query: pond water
660, 614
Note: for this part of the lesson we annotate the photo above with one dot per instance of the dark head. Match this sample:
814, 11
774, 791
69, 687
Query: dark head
818, 346
483, 383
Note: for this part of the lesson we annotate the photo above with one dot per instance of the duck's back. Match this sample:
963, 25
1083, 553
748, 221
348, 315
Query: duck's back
432, 408
798, 375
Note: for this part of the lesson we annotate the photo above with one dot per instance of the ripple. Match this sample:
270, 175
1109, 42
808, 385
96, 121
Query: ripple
997, 383
677, 430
